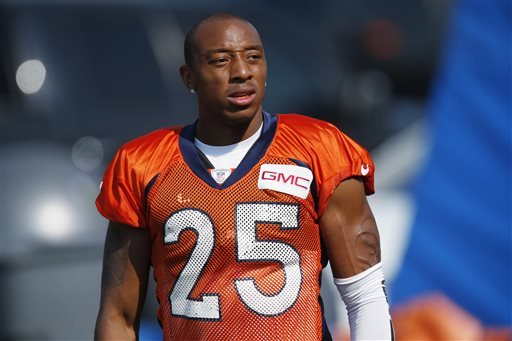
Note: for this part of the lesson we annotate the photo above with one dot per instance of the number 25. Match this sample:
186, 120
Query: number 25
248, 249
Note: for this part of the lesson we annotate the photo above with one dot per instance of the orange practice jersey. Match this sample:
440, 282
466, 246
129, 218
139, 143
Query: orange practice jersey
241, 260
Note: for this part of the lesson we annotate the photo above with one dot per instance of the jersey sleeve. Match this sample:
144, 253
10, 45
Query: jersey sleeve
343, 159
121, 194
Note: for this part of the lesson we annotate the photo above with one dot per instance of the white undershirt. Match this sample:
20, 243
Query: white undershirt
230, 156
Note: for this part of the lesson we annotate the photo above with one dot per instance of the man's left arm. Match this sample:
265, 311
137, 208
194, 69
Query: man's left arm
352, 242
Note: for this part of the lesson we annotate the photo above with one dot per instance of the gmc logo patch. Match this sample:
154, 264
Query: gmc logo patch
289, 179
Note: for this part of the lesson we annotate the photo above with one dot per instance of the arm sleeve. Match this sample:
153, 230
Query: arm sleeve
122, 192
343, 158
368, 310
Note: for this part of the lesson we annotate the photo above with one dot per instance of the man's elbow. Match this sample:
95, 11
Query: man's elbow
115, 325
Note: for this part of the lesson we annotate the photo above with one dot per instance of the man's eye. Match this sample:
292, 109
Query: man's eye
219, 61
254, 56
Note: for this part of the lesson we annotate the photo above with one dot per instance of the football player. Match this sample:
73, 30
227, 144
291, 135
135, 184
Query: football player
239, 212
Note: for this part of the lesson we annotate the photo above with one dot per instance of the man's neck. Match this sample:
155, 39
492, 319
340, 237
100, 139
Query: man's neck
219, 134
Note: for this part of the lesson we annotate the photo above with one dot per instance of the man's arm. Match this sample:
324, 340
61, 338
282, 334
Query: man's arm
352, 241
126, 263
349, 230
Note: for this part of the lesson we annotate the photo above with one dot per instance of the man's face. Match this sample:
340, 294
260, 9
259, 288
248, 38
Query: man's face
228, 71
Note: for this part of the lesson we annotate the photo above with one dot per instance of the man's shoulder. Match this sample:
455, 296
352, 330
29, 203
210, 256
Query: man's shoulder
154, 139
146, 154
306, 135
305, 125
313, 134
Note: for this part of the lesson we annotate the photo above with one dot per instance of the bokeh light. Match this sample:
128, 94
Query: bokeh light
87, 153
30, 76
47, 202
383, 39
53, 220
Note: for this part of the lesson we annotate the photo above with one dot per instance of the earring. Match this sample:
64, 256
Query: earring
265, 84
192, 91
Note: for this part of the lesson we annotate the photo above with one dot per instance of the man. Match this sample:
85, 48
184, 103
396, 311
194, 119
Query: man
233, 212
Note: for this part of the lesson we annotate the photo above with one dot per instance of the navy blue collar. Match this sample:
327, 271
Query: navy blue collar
253, 156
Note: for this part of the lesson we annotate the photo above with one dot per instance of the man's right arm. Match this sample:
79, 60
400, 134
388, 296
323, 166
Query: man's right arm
126, 263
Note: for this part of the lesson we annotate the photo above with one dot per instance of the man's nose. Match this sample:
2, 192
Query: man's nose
240, 69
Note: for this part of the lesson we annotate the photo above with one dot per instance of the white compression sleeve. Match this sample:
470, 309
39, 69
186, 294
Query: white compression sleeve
367, 305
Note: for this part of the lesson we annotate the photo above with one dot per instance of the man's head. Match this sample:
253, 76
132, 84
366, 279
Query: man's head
226, 67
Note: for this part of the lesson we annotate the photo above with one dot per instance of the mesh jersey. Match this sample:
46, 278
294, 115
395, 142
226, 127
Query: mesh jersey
239, 260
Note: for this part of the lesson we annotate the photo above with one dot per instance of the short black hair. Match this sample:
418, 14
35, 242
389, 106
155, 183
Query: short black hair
188, 47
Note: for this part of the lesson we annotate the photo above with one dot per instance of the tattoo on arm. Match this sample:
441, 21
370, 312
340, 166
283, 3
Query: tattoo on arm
367, 243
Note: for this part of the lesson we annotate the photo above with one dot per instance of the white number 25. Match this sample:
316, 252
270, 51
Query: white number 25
248, 249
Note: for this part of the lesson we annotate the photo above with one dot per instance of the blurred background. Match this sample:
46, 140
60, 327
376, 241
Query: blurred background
79, 78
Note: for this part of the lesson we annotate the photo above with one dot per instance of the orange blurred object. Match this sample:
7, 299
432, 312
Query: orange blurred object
435, 317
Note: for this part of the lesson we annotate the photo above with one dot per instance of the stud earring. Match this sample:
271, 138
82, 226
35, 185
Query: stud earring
192, 91
265, 84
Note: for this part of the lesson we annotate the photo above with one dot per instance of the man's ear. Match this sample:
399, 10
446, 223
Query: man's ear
188, 77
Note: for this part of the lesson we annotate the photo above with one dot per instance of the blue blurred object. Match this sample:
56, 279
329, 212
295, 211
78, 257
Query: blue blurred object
150, 330
461, 241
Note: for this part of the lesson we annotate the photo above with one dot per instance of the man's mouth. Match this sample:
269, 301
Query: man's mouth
242, 98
